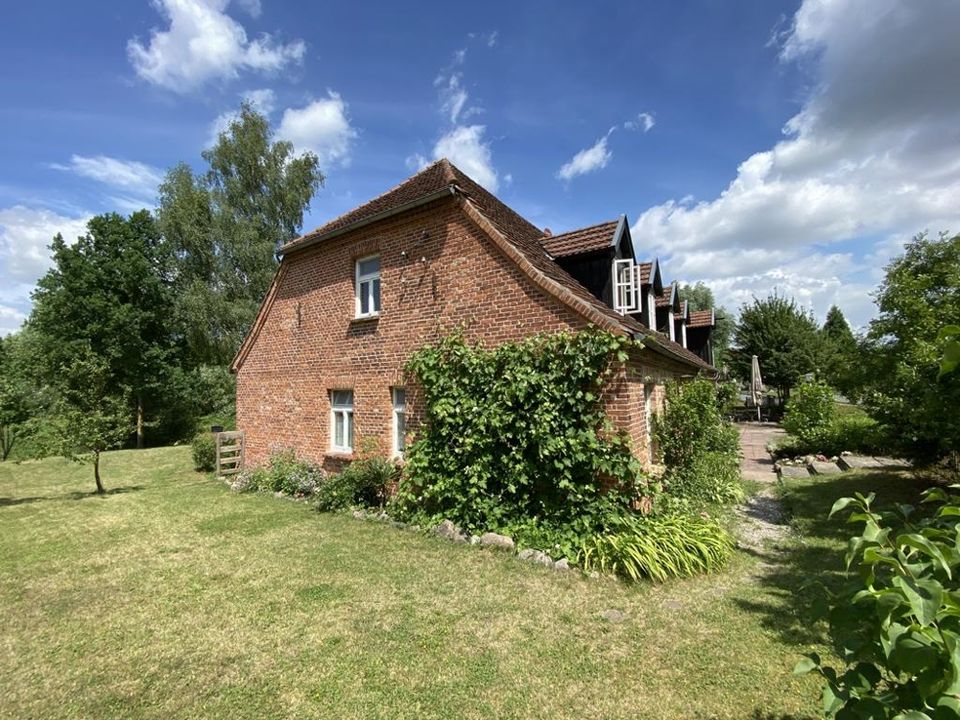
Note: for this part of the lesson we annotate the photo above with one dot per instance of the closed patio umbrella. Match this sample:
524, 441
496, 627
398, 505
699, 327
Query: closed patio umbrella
756, 384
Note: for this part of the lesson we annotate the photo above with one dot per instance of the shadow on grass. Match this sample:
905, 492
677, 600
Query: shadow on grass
797, 570
75, 495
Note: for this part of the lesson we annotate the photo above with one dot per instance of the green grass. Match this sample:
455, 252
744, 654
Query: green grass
172, 597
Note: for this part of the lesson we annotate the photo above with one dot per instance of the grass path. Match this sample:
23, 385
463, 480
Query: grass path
173, 598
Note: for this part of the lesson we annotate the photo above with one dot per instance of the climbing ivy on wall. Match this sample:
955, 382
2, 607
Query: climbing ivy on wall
517, 433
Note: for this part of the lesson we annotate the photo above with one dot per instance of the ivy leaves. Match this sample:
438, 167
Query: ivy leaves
517, 432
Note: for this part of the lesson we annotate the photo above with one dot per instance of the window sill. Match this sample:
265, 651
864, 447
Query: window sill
340, 454
363, 319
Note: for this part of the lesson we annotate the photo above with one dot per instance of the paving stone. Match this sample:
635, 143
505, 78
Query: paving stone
794, 471
821, 467
865, 462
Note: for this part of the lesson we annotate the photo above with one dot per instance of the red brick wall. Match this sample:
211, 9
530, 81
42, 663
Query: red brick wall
438, 271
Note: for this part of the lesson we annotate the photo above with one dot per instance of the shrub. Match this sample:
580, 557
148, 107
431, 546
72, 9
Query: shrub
810, 413
515, 433
852, 431
204, 450
283, 473
897, 622
363, 482
699, 448
658, 547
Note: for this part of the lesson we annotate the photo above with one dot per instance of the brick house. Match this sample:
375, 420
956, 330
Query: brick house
321, 370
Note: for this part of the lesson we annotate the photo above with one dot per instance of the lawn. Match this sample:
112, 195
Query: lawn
172, 597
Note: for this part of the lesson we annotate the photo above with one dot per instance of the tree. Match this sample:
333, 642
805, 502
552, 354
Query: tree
15, 396
700, 297
92, 414
110, 295
903, 349
840, 350
784, 337
226, 226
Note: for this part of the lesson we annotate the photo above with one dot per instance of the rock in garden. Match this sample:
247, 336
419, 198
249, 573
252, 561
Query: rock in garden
359, 514
793, 471
613, 616
824, 468
498, 541
562, 564
535, 556
448, 530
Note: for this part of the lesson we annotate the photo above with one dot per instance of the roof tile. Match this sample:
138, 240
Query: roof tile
583, 240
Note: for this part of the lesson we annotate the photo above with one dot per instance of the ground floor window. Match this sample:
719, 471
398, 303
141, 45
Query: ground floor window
341, 411
399, 420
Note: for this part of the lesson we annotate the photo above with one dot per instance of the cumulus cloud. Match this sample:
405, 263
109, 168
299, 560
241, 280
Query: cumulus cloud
203, 43
26, 233
130, 175
587, 160
873, 152
643, 121
321, 127
262, 100
466, 148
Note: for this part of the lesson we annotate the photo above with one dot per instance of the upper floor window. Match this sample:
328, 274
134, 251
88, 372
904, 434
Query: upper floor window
626, 286
368, 286
341, 420
399, 420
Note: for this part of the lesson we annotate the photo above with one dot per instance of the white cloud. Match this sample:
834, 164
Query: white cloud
25, 234
130, 175
10, 320
587, 160
322, 127
873, 152
416, 162
203, 43
250, 7
644, 121
465, 147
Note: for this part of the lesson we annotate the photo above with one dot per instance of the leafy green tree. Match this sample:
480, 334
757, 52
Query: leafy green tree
784, 338
15, 397
700, 297
92, 415
111, 295
226, 225
902, 351
840, 350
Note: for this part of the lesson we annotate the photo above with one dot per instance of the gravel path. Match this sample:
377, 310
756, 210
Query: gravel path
762, 518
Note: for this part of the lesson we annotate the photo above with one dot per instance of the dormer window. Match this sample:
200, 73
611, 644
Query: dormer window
367, 284
626, 286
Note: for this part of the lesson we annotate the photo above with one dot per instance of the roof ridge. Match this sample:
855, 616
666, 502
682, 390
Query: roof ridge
585, 227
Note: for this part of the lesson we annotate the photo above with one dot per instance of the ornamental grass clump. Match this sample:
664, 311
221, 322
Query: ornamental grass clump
658, 547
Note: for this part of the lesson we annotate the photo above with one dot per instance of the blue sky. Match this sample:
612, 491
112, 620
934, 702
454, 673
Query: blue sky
754, 145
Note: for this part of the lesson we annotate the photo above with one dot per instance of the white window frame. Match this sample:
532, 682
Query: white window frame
671, 323
366, 280
344, 411
399, 415
626, 277
651, 309
683, 332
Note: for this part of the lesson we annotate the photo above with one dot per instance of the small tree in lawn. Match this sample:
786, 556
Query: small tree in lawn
92, 416
14, 399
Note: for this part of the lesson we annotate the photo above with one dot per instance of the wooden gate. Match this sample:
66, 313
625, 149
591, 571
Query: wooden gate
229, 453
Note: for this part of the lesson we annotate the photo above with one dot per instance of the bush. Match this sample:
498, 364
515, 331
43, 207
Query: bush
851, 431
699, 448
516, 433
204, 450
897, 622
658, 547
283, 473
810, 413
363, 482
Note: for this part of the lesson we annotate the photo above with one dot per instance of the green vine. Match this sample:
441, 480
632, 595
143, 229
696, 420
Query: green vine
517, 436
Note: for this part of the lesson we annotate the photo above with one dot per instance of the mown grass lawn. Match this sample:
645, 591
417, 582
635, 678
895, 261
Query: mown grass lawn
172, 597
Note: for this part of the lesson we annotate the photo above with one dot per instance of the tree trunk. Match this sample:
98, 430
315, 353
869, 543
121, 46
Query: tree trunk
139, 422
96, 472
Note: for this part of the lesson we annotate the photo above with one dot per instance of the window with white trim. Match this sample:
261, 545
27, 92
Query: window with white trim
367, 284
341, 420
671, 326
651, 309
626, 286
399, 420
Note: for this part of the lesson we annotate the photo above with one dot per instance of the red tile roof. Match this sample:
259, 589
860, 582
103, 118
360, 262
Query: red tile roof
646, 270
583, 240
522, 236
701, 318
